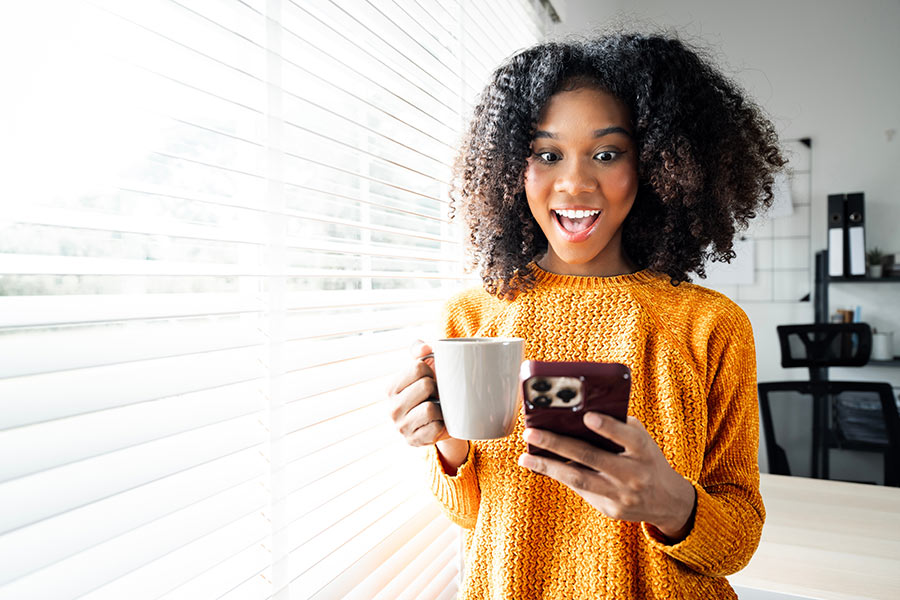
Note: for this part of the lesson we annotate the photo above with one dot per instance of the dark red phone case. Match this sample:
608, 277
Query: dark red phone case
605, 388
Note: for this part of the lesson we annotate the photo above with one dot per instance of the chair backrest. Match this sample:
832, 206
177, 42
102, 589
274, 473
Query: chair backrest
865, 414
817, 345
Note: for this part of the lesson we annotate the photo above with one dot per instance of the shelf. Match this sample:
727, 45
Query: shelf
864, 280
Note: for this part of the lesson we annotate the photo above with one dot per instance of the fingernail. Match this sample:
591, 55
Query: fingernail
531, 435
416, 346
593, 420
523, 460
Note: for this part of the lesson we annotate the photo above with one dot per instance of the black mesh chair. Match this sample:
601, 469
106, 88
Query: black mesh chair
864, 417
852, 415
821, 345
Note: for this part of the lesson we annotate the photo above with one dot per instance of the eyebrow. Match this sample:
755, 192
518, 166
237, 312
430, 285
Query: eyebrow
597, 132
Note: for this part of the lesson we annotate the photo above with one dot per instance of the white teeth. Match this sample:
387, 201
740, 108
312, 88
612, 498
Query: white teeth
576, 214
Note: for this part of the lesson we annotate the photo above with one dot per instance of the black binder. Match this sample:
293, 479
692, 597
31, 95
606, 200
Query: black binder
856, 235
846, 235
837, 234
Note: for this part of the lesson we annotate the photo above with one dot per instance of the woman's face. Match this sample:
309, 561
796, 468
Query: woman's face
581, 181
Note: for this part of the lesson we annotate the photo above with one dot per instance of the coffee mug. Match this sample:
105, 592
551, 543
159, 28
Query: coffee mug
478, 385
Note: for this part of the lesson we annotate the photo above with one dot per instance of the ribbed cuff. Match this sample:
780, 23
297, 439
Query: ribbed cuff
711, 541
458, 494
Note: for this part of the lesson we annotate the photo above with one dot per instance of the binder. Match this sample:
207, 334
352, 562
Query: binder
836, 234
856, 234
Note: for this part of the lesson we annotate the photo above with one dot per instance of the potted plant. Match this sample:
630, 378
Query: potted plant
874, 257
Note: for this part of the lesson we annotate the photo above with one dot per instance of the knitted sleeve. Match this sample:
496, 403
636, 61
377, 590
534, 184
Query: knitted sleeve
729, 512
459, 495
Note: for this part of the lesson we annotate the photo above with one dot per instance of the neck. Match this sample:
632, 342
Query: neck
620, 265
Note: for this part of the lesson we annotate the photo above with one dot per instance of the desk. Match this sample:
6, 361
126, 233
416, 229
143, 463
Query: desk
828, 540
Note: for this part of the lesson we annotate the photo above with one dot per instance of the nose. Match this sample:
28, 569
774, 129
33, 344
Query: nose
575, 178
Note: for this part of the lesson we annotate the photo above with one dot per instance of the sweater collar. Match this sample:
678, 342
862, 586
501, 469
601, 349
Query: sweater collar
546, 279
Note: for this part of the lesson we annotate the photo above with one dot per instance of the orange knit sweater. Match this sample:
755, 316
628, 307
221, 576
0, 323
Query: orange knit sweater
693, 367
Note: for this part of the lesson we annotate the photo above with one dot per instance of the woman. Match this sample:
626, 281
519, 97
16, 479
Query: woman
594, 178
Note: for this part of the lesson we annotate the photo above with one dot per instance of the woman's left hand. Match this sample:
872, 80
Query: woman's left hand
636, 485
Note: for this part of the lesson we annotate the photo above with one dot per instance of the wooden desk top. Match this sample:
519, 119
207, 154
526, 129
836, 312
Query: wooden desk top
827, 540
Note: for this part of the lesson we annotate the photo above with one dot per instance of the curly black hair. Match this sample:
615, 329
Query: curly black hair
707, 155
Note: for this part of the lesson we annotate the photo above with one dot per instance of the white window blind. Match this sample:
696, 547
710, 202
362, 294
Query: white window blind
222, 223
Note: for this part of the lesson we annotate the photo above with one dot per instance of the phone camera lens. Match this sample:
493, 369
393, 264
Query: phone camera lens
566, 394
541, 385
542, 401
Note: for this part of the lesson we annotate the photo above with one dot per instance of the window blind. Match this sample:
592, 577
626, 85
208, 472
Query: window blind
222, 225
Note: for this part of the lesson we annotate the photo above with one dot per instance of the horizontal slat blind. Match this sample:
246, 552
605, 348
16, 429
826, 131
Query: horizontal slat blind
223, 225
409, 70
133, 307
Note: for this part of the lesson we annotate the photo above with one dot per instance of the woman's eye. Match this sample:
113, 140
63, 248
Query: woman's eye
606, 156
547, 157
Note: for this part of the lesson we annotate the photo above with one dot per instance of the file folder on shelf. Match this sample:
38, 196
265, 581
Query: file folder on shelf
856, 234
836, 234
846, 235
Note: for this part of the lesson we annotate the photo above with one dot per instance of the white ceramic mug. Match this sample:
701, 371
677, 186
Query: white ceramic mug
478, 385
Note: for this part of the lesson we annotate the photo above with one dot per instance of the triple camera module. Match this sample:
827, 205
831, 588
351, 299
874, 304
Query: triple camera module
554, 392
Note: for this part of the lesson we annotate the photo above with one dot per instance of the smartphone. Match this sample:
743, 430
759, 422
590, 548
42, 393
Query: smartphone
556, 395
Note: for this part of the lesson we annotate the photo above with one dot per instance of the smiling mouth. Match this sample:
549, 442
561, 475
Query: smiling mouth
576, 221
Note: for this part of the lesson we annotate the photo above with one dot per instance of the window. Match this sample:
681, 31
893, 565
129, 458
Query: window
221, 225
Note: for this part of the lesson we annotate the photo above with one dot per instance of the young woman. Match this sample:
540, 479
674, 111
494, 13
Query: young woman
595, 177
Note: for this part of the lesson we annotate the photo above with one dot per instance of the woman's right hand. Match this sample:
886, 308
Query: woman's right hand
418, 419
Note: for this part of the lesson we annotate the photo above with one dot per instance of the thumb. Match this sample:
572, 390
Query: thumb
419, 348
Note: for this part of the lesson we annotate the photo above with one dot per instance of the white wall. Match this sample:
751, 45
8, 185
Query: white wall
824, 69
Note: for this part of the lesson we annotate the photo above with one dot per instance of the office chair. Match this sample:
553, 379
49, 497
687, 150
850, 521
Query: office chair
863, 415
821, 345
